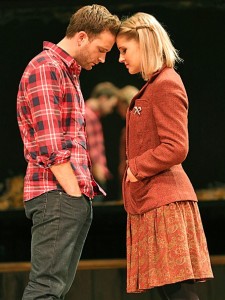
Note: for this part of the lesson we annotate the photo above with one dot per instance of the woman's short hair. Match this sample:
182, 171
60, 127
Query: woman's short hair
156, 48
93, 19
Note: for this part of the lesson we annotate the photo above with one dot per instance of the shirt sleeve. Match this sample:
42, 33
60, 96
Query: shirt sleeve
45, 94
170, 108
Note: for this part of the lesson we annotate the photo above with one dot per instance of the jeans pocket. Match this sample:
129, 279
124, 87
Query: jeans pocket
72, 197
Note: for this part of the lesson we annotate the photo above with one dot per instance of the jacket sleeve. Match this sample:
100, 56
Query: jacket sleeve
170, 109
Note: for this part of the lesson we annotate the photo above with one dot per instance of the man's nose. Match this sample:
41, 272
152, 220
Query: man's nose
102, 58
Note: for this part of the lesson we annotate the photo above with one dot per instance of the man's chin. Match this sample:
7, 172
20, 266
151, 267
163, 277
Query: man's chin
87, 68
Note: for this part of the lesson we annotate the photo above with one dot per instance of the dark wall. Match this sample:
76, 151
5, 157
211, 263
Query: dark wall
197, 31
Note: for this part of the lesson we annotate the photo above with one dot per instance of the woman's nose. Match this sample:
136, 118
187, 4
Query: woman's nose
121, 59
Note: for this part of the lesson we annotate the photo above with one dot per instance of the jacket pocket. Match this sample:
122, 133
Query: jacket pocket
138, 190
138, 197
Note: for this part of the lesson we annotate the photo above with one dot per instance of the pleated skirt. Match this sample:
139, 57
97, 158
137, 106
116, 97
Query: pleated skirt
166, 245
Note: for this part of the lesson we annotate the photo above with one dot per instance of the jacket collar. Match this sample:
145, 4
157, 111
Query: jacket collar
150, 80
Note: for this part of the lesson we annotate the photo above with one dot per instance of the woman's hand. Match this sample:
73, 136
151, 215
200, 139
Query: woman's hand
130, 177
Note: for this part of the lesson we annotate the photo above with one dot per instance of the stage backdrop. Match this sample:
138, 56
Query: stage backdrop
197, 30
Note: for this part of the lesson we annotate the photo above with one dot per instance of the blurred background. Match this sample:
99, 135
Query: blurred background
197, 29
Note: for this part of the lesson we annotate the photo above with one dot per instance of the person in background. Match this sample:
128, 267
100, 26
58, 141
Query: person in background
101, 103
166, 244
59, 186
126, 94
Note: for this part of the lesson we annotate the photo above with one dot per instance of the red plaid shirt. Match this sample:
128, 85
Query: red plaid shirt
51, 118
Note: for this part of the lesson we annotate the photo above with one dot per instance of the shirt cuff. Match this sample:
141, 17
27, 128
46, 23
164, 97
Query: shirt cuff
56, 158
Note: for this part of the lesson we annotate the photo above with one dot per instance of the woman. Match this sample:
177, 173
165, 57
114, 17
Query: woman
166, 245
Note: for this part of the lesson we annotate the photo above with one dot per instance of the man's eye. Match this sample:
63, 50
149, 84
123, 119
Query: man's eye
102, 51
123, 51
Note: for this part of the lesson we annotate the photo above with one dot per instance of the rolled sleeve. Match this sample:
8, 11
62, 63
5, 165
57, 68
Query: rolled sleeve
53, 159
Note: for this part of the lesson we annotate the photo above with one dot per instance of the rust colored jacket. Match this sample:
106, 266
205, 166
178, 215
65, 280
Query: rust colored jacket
157, 144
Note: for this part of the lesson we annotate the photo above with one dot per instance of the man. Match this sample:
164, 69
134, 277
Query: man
58, 185
103, 99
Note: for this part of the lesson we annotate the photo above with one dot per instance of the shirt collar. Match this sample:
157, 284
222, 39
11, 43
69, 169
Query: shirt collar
64, 56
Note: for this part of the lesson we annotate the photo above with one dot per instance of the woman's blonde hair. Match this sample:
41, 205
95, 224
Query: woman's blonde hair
156, 48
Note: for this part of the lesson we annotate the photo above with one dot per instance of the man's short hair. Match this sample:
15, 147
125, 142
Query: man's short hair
93, 19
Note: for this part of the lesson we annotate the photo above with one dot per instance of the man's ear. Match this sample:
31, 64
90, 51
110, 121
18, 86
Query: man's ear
81, 37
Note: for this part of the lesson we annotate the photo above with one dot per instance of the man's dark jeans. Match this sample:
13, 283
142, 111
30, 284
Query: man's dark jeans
60, 226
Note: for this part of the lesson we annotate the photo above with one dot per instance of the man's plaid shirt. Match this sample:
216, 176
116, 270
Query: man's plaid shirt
51, 118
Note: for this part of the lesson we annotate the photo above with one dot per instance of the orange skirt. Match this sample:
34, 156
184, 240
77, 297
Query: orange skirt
166, 245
